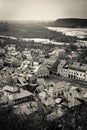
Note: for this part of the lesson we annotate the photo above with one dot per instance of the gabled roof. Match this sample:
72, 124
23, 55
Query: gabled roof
21, 80
10, 89
22, 94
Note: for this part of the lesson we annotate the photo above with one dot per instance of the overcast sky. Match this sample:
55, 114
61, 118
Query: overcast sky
42, 9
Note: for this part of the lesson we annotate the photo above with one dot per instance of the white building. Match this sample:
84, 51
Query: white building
76, 71
42, 71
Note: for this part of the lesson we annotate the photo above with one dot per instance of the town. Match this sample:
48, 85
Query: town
31, 80
43, 65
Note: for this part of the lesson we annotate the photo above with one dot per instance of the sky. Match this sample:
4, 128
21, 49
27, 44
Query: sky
42, 9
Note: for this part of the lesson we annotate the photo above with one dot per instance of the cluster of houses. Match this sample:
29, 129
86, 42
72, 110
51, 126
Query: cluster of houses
18, 74
56, 97
16, 95
23, 74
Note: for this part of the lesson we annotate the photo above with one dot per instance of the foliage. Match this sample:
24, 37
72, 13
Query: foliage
70, 23
74, 119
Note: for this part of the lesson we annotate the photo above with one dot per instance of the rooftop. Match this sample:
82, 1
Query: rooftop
75, 65
22, 94
49, 102
10, 89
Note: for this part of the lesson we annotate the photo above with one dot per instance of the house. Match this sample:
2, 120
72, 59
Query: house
52, 64
42, 72
37, 55
57, 51
27, 54
30, 78
21, 82
41, 81
7, 71
10, 48
8, 61
48, 103
15, 54
41, 59
23, 96
38, 58
41, 85
56, 89
12, 62
60, 88
6, 76
73, 96
60, 69
10, 89
65, 70
40, 88
43, 95
17, 95
74, 56
25, 65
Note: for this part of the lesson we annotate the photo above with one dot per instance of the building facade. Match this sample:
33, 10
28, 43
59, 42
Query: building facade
75, 71
42, 72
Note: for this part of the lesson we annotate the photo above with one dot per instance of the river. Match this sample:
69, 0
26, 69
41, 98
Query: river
79, 32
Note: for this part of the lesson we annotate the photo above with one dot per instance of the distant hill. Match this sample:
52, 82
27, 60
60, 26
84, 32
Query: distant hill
70, 23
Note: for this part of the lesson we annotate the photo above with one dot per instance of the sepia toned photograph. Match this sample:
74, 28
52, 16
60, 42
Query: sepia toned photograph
43, 64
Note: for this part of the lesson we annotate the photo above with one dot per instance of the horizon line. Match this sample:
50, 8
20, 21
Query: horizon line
40, 19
